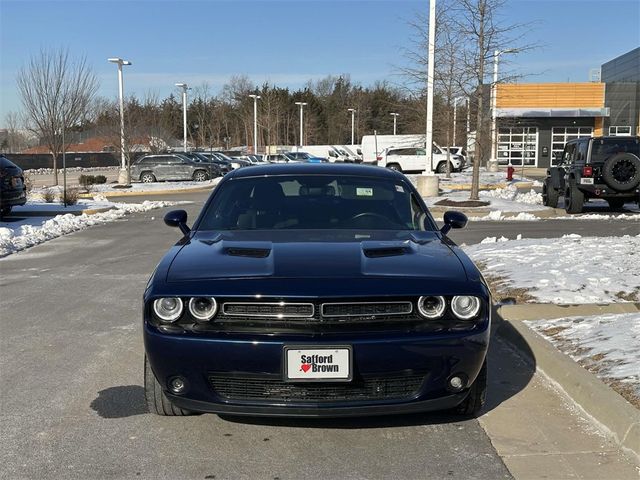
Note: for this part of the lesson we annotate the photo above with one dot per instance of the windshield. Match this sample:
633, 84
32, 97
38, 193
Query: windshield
298, 155
313, 202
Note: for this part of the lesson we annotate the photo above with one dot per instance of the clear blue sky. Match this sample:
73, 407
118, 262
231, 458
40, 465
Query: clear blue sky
286, 42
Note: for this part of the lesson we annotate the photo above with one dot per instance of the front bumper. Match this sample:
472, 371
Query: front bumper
602, 190
436, 356
13, 197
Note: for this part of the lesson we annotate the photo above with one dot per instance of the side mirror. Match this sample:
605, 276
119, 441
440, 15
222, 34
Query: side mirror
178, 218
453, 219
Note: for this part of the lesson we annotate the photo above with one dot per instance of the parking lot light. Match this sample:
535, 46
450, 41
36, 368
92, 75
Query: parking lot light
301, 104
184, 88
395, 118
353, 113
255, 123
124, 171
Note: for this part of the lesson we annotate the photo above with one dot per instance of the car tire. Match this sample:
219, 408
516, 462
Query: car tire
550, 195
394, 166
616, 203
157, 401
5, 211
147, 177
200, 176
573, 199
622, 171
476, 398
442, 167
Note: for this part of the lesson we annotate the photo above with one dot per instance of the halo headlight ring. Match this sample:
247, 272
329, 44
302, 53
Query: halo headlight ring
431, 306
465, 307
196, 305
168, 309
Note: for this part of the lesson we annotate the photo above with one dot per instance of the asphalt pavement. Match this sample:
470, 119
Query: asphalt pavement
71, 360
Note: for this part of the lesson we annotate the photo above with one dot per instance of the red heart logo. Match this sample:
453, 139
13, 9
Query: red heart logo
305, 367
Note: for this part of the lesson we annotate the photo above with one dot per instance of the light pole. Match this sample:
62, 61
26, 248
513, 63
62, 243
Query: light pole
430, 75
184, 88
353, 116
123, 177
301, 104
494, 92
455, 119
255, 123
395, 118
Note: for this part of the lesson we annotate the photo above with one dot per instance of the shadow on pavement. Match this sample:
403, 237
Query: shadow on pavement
120, 402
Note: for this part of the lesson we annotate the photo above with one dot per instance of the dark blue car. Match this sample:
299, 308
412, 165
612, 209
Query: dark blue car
315, 290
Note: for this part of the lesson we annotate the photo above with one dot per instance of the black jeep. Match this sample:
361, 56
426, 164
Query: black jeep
595, 167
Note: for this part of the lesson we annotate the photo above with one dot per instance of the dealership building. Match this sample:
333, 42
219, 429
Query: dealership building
535, 120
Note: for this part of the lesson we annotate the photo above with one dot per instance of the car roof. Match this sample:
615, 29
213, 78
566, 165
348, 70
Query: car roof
316, 169
605, 137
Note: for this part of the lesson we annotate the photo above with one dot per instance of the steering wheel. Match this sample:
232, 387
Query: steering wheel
372, 215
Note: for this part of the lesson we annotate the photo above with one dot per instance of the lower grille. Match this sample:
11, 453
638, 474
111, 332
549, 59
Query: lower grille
271, 388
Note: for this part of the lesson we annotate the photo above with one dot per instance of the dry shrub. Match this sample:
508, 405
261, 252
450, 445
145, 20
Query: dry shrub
49, 195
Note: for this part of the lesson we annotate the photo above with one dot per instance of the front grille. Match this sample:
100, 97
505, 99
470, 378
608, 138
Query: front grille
366, 309
271, 388
268, 309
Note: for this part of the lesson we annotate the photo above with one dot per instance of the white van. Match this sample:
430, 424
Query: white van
373, 146
329, 152
414, 159
354, 151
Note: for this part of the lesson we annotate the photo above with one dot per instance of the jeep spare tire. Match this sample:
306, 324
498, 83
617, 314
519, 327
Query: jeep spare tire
622, 171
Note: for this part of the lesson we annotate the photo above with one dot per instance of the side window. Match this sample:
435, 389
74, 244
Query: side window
567, 155
581, 151
420, 151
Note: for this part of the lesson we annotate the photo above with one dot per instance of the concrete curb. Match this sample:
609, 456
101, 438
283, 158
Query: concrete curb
53, 213
485, 186
129, 193
612, 412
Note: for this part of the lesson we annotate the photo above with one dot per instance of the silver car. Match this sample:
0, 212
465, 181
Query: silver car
153, 168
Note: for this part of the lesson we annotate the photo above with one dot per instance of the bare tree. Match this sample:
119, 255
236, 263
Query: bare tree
16, 139
56, 93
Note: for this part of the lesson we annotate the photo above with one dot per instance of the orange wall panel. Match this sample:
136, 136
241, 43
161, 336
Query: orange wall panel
550, 95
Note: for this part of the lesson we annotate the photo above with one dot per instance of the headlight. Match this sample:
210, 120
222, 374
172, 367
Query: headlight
432, 307
168, 309
465, 307
203, 308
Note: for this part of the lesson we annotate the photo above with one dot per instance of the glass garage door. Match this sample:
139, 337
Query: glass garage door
517, 145
561, 135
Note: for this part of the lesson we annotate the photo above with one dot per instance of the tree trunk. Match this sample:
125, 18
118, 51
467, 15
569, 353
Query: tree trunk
479, 156
55, 168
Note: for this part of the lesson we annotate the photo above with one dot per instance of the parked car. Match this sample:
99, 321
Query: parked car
315, 290
278, 158
304, 157
13, 191
414, 159
234, 162
153, 168
460, 151
595, 167
196, 157
224, 165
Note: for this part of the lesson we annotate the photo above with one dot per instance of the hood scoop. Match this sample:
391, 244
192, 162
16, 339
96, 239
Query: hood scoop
374, 249
248, 252
384, 252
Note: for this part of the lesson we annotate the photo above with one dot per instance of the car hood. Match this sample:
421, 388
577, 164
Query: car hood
314, 254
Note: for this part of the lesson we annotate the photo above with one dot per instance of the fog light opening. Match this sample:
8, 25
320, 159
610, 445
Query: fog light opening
177, 385
457, 382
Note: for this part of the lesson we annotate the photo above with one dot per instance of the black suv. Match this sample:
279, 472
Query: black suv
595, 167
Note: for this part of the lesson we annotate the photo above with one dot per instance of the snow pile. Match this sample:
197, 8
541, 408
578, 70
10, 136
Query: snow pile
511, 193
39, 230
609, 345
597, 216
496, 215
571, 269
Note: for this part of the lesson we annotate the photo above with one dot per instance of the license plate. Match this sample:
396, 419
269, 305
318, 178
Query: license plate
318, 364
586, 181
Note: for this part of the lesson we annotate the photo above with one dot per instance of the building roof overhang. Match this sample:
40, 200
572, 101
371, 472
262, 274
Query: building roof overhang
553, 112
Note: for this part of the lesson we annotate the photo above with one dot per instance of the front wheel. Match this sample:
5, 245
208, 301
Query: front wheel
157, 401
394, 166
442, 168
147, 177
549, 195
4, 211
474, 402
200, 176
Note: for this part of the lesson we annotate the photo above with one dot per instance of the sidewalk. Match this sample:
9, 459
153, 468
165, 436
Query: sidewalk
536, 427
